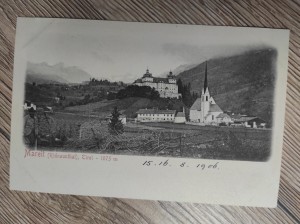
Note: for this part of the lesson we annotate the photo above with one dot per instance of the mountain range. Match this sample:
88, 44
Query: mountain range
58, 73
241, 84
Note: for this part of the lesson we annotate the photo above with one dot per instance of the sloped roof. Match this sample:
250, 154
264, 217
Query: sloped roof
180, 114
214, 108
164, 80
244, 119
197, 104
138, 81
223, 115
155, 80
155, 111
236, 116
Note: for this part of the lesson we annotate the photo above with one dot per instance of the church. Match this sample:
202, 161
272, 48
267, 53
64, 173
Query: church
167, 87
205, 110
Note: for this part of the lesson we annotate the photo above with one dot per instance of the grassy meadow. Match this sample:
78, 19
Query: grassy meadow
81, 133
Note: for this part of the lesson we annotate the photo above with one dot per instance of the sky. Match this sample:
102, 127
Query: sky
122, 51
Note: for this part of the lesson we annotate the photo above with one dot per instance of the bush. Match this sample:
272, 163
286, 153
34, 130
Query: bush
138, 91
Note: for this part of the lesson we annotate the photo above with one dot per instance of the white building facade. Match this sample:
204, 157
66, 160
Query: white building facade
155, 115
205, 110
180, 118
27, 105
167, 87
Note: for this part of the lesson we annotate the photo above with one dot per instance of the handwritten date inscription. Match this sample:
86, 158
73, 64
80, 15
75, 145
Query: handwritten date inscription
167, 163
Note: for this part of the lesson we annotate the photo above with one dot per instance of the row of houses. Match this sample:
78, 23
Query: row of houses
156, 115
223, 119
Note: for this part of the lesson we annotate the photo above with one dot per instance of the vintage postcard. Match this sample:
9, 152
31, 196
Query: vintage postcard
148, 111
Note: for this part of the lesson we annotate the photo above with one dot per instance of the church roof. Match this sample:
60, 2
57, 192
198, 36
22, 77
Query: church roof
214, 108
155, 111
197, 104
205, 79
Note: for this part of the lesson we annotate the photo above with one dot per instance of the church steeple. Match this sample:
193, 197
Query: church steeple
205, 79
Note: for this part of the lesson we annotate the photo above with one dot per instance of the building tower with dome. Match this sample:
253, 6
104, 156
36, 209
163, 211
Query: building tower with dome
167, 87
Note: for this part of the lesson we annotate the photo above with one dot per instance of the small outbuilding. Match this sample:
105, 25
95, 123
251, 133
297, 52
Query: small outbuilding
224, 118
180, 118
251, 122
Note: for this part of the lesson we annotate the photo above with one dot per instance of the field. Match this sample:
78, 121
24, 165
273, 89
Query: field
79, 133
128, 106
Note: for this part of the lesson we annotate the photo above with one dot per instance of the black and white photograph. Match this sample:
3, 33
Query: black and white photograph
132, 89
167, 112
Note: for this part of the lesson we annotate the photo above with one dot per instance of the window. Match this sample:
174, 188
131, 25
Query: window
206, 98
212, 116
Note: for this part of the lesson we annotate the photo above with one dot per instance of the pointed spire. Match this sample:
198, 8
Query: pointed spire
205, 79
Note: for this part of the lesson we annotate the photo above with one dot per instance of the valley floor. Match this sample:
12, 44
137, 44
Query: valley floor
84, 133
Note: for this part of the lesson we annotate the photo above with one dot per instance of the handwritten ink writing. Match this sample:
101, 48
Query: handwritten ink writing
202, 166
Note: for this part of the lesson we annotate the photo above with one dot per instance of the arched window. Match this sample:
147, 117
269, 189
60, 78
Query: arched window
206, 98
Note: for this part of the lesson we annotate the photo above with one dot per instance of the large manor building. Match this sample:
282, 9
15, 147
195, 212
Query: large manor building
167, 87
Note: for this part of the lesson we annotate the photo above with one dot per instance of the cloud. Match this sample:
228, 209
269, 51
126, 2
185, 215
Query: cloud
195, 54
102, 57
188, 53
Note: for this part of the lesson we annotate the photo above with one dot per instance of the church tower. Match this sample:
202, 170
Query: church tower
205, 98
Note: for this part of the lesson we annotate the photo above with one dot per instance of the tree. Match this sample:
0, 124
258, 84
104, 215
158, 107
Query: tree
180, 86
115, 125
138, 91
187, 97
154, 94
111, 96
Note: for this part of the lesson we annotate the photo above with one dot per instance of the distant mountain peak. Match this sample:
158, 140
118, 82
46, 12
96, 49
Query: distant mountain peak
57, 73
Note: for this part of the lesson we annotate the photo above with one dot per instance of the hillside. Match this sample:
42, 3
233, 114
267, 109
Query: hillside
128, 106
44, 79
58, 73
241, 84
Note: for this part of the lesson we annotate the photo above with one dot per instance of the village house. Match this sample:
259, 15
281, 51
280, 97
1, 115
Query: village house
205, 110
167, 87
27, 105
224, 118
180, 117
155, 115
250, 122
